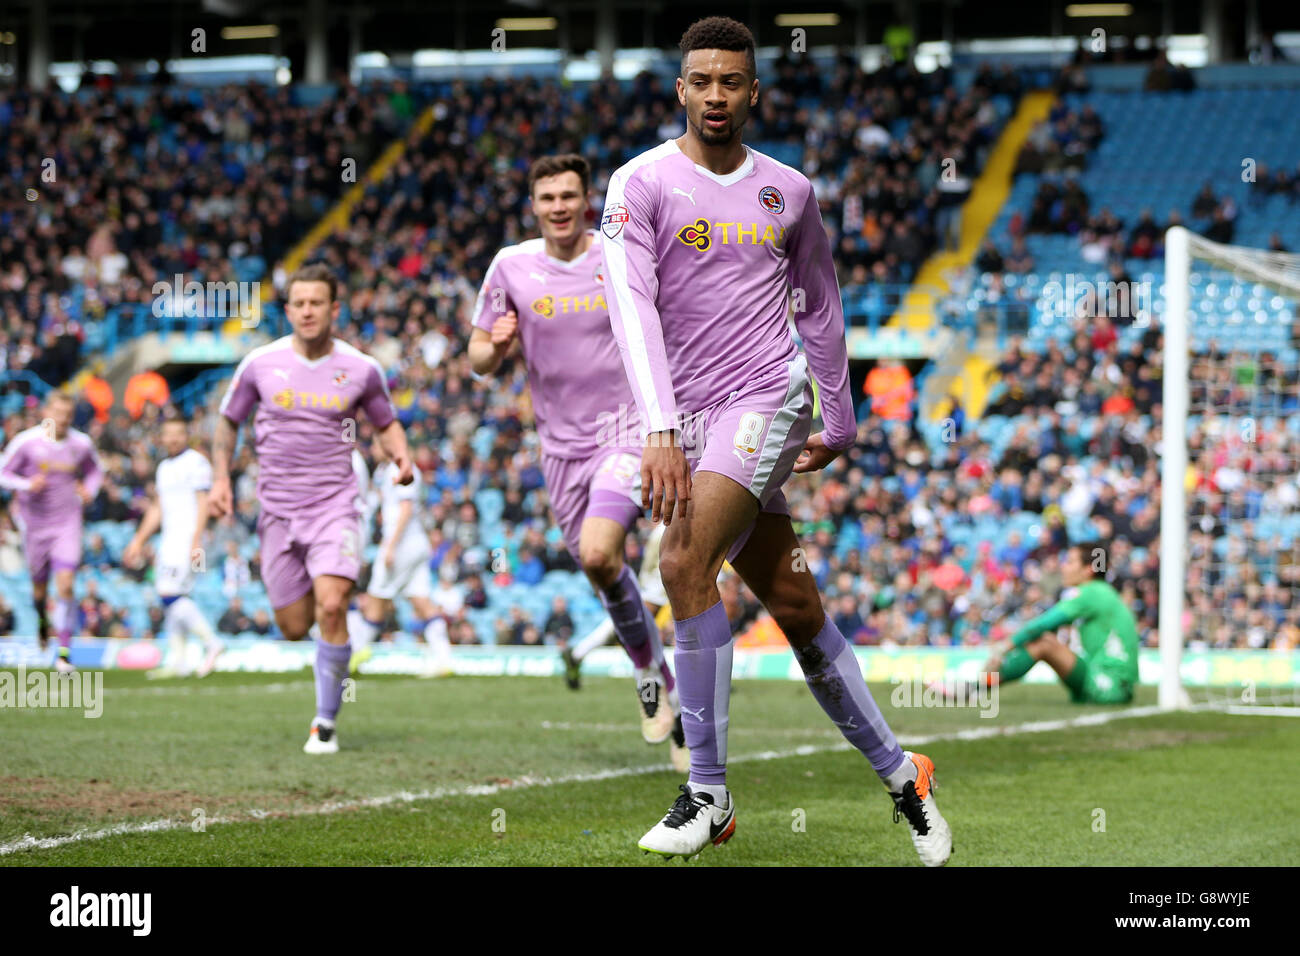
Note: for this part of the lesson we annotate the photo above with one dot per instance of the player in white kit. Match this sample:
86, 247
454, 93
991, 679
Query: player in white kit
367, 504
181, 510
401, 568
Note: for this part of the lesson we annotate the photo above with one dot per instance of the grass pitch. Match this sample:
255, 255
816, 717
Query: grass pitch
506, 771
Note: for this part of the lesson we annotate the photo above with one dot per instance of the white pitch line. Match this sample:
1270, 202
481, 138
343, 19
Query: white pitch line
29, 842
744, 731
278, 687
208, 689
1242, 710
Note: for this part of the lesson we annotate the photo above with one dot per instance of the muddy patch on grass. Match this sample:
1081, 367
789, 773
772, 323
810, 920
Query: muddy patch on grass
106, 800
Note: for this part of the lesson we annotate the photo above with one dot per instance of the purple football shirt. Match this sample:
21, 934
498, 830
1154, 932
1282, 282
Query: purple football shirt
63, 463
580, 393
305, 427
702, 272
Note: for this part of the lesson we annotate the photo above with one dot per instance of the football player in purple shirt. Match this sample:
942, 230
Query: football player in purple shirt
308, 388
55, 473
549, 295
709, 246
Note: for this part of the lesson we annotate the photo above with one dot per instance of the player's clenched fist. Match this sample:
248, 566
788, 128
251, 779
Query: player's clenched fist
133, 554
665, 477
405, 470
221, 501
504, 329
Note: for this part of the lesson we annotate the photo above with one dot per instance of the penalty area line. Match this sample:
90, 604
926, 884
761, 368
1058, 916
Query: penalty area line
30, 843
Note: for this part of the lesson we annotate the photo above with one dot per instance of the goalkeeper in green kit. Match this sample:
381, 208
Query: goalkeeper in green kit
1107, 670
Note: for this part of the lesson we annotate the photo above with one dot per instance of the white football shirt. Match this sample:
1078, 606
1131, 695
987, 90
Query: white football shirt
415, 539
178, 481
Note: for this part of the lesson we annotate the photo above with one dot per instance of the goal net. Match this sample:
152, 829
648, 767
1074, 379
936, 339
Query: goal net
1230, 478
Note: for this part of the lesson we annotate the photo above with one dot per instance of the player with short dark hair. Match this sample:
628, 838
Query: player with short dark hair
308, 388
709, 245
548, 294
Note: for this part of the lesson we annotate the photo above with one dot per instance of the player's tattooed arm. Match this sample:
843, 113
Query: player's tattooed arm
220, 497
201, 526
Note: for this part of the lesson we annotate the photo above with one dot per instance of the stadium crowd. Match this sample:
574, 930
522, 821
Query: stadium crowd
251, 172
108, 194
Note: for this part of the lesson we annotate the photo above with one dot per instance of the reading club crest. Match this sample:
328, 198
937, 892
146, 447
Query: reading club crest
770, 198
611, 224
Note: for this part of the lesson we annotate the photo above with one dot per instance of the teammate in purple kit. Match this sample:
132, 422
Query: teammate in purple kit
55, 472
549, 293
308, 387
708, 246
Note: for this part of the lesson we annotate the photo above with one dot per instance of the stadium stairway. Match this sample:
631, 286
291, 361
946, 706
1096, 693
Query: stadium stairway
967, 376
151, 350
339, 216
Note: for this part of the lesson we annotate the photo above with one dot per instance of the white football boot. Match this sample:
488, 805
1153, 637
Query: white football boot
210, 659
323, 738
678, 752
657, 715
931, 834
690, 825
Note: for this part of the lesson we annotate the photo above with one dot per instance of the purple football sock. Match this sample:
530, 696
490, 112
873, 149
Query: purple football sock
657, 652
628, 613
65, 613
331, 669
703, 659
833, 676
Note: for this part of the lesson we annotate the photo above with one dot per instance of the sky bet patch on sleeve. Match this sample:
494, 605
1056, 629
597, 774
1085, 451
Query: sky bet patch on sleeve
611, 224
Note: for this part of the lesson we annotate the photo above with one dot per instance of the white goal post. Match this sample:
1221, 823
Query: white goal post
1173, 468
1280, 274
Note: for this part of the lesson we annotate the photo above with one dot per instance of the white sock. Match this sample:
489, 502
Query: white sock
360, 630
717, 791
195, 623
174, 626
435, 635
599, 637
906, 771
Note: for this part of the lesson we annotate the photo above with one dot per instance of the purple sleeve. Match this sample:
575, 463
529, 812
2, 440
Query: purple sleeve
631, 272
10, 476
493, 298
819, 317
241, 394
92, 475
376, 399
